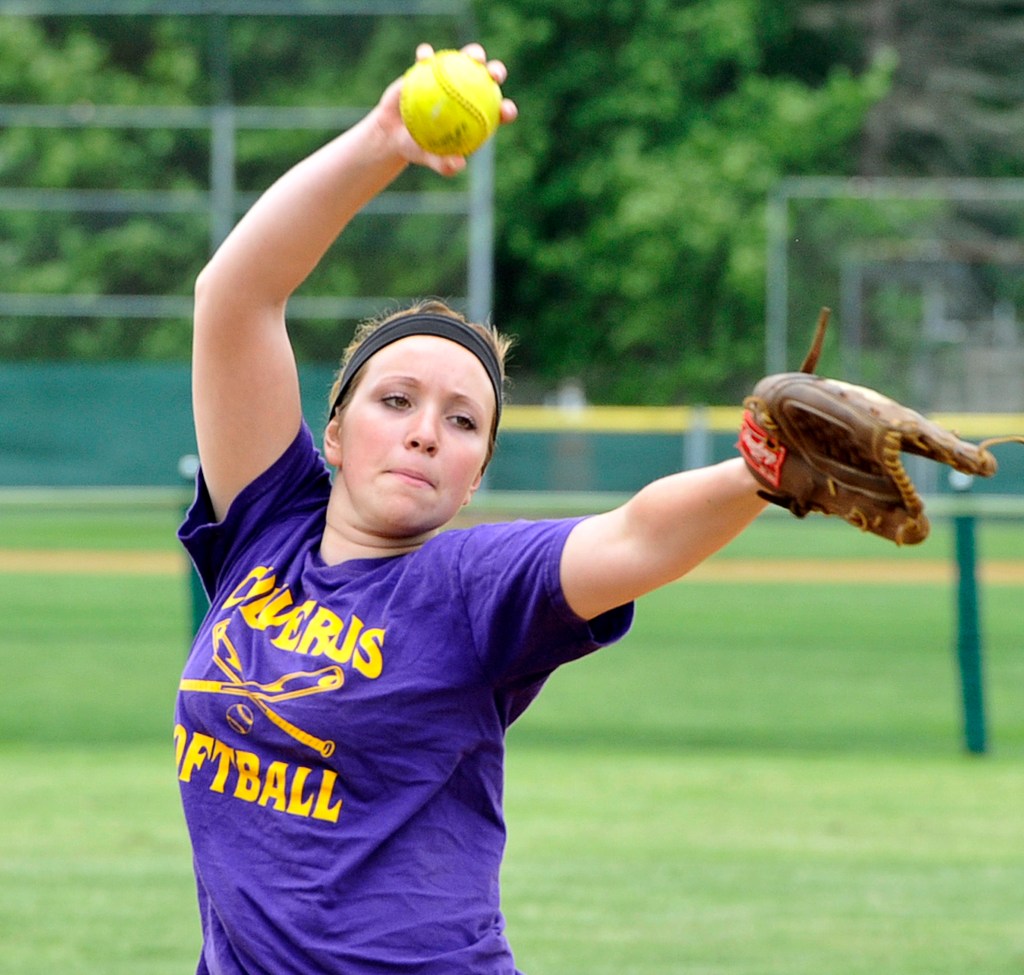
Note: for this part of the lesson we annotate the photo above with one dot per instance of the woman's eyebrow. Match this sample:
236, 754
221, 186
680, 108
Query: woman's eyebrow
455, 395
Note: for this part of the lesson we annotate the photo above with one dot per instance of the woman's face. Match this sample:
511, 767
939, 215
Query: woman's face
410, 446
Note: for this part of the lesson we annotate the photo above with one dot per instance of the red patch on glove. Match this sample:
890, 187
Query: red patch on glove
761, 451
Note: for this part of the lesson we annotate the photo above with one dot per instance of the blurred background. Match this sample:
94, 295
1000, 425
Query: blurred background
687, 185
775, 772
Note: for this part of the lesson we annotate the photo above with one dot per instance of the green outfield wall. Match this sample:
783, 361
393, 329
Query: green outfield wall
129, 424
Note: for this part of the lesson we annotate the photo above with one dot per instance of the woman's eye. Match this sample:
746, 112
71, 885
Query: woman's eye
464, 422
397, 401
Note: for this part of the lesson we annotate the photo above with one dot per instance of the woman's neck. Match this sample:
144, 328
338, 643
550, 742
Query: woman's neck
342, 542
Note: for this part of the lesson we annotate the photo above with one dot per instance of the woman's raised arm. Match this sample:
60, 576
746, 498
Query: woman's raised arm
245, 387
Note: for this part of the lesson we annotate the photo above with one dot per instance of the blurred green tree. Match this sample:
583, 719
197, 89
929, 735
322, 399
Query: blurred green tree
630, 250
632, 190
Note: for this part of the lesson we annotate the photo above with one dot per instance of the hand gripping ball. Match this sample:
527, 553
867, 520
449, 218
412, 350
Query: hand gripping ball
450, 103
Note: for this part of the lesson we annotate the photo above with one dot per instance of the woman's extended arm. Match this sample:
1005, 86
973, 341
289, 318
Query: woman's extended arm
660, 534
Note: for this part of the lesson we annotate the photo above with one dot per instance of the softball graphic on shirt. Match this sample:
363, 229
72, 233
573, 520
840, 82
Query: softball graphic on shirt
288, 687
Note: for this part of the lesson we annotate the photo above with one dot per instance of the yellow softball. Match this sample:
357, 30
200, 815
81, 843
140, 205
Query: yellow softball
450, 103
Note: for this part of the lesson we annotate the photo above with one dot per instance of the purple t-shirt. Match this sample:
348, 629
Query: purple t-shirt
339, 732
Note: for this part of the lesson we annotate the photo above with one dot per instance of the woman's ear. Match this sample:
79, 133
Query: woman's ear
332, 440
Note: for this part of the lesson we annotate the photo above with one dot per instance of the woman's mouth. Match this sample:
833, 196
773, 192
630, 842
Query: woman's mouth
411, 477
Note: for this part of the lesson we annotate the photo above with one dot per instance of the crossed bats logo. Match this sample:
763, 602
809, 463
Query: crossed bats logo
302, 683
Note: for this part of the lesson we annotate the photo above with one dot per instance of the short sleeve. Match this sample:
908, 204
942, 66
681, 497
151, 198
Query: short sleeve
294, 488
522, 625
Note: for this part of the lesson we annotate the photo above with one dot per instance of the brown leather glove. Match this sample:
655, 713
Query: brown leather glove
823, 445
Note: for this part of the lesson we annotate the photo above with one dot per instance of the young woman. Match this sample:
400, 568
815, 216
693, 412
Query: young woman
340, 722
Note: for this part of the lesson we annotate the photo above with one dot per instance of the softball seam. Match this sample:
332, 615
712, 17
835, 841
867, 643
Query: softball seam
452, 92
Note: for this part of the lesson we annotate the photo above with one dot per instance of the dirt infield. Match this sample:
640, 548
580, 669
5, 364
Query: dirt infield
722, 569
91, 562
876, 571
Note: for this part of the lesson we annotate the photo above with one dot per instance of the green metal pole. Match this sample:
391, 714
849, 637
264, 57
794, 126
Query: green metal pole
197, 598
969, 631
188, 467
222, 133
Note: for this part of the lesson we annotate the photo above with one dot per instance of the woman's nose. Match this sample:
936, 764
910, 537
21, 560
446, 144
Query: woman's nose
423, 434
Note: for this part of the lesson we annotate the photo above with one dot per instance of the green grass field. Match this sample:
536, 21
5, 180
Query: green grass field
763, 778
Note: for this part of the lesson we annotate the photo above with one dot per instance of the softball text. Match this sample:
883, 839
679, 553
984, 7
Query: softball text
293, 789
306, 628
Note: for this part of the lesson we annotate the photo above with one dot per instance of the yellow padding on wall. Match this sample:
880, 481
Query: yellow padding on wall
715, 419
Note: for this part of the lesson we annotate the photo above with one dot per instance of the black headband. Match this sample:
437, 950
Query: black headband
423, 324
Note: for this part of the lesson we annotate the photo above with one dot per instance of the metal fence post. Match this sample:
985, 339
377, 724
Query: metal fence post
968, 644
697, 440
